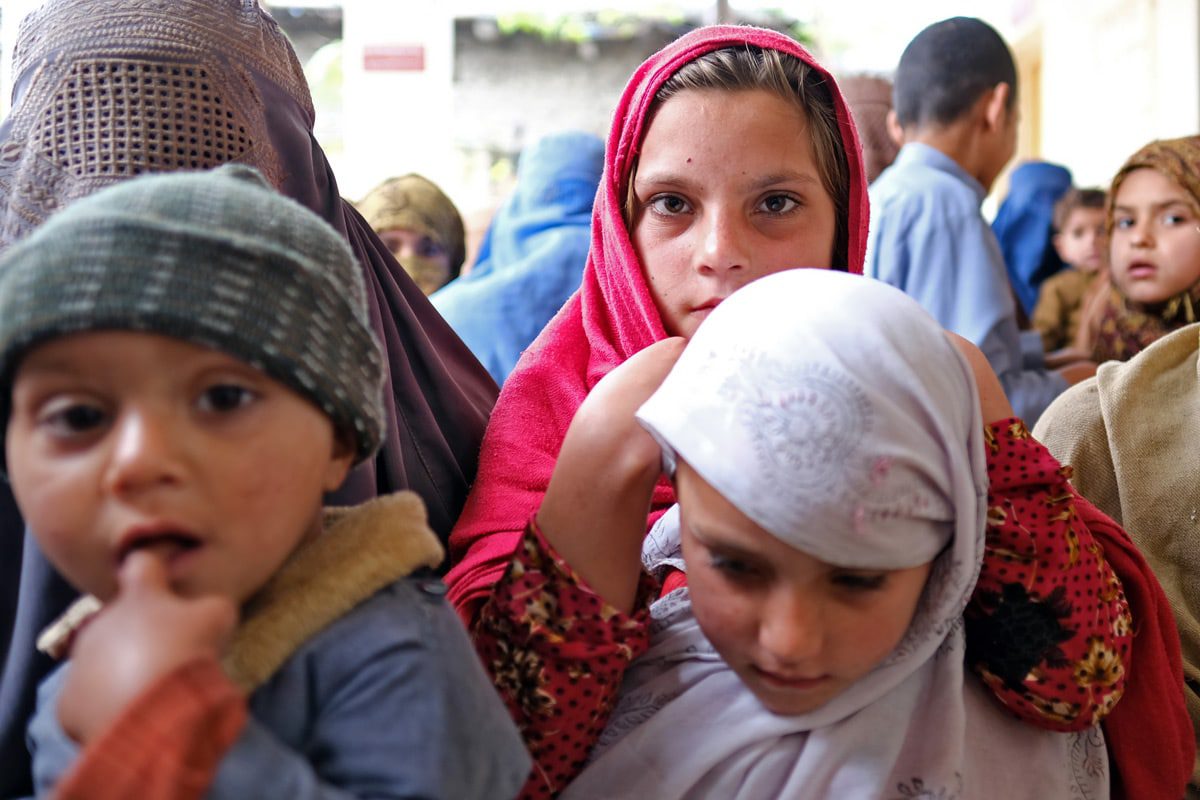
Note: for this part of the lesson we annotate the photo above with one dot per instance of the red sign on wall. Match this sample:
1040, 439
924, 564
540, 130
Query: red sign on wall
394, 58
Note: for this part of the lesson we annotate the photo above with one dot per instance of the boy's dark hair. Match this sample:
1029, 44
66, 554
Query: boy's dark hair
1076, 198
946, 68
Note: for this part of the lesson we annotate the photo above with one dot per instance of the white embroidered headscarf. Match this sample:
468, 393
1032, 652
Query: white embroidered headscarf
831, 410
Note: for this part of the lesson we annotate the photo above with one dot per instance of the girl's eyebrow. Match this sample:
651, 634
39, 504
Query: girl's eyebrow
783, 177
661, 179
1155, 206
716, 542
1169, 203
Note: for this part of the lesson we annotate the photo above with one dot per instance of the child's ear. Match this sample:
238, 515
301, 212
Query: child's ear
340, 461
894, 128
1056, 240
996, 106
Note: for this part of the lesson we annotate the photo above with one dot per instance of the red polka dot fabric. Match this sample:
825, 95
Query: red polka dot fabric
1048, 628
557, 653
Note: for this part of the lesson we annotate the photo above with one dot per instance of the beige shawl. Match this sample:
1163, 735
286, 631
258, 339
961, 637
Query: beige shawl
1131, 435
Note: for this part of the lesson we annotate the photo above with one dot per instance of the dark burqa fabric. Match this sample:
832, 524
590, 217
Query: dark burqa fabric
109, 89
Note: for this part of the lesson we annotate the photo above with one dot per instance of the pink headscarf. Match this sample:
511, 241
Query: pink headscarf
610, 318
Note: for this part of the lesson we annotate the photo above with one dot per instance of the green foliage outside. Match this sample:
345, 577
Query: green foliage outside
618, 25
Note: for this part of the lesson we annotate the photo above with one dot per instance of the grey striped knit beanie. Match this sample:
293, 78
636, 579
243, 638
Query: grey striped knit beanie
215, 258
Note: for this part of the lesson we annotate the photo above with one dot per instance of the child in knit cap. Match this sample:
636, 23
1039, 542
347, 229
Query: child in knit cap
187, 368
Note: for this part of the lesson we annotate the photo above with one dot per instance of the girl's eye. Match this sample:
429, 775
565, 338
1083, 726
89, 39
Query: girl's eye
73, 419
736, 569
668, 205
778, 204
225, 397
1172, 219
428, 248
1123, 222
860, 582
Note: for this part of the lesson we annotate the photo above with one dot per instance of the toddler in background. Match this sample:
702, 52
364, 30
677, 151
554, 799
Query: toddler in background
1079, 240
187, 367
1154, 252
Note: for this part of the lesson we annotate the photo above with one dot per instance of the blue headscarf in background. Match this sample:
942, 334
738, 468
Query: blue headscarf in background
533, 254
1025, 227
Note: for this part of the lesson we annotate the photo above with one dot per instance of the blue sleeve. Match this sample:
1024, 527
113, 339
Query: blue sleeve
951, 265
389, 703
1033, 350
51, 749
32, 595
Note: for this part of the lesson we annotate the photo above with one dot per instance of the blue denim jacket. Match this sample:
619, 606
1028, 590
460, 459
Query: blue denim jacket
390, 701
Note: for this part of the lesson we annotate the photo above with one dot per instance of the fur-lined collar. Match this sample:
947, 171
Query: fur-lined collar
361, 550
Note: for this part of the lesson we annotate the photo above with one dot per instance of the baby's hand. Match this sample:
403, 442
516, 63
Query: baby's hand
144, 633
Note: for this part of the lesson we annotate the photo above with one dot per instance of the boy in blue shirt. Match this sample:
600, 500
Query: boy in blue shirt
955, 100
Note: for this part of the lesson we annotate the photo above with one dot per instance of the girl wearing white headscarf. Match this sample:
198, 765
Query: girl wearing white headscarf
833, 497
833, 494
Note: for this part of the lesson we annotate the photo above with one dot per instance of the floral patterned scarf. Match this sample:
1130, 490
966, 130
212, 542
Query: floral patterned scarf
1127, 328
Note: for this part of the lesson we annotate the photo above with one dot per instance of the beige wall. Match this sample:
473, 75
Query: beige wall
1106, 76
396, 122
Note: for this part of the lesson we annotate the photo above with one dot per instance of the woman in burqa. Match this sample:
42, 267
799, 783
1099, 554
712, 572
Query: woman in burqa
109, 89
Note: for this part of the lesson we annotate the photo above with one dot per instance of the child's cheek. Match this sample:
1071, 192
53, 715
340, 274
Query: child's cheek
59, 509
263, 488
275, 492
725, 617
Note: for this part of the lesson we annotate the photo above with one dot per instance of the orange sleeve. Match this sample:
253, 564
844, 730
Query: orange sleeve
167, 744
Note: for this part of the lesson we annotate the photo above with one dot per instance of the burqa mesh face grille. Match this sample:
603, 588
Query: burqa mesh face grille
112, 89
119, 118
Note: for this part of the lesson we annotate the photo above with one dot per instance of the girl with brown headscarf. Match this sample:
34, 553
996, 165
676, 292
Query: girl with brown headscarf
1154, 238
1130, 432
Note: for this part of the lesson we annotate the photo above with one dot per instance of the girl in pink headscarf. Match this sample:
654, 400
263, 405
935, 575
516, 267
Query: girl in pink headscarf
732, 156
803, 202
